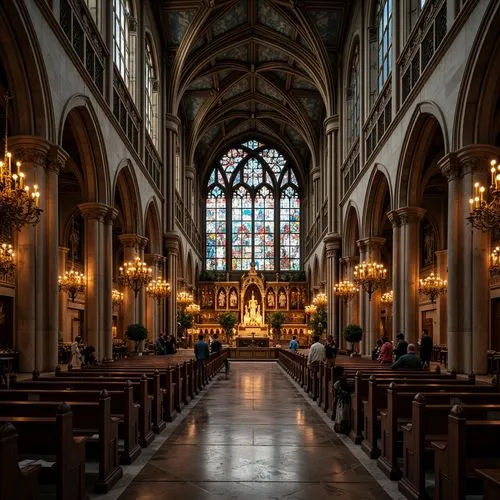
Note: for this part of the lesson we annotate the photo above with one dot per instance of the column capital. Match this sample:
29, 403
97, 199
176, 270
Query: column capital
315, 173
29, 149
93, 210
410, 215
394, 218
63, 251
172, 123
153, 259
331, 124
110, 216
190, 172
332, 241
133, 241
370, 243
477, 157
172, 242
350, 260
450, 167
56, 160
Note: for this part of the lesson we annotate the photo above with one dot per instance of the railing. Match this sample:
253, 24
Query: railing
187, 224
351, 168
153, 162
78, 25
422, 44
318, 229
379, 119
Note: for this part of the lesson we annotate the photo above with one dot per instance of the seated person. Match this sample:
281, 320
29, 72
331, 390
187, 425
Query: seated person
401, 346
376, 350
89, 356
161, 345
409, 361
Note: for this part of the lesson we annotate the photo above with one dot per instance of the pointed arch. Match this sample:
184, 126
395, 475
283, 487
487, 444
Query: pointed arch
351, 230
378, 188
153, 226
189, 269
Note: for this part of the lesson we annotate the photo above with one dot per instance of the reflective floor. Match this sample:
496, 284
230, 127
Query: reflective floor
253, 436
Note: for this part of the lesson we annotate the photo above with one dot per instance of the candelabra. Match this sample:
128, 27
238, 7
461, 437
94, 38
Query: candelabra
370, 275
72, 282
135, 274
7, 255
387, 298
193, 309
18, 202
485, 215
116, 297
184, 298
320, 300
346, 290
433, 286
310, 309
159, 289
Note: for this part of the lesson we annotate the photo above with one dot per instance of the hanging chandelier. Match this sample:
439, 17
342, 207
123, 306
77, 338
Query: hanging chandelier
135, 275
433, 286
320, 300
159, 289
7, 255
387, 298
193, 309
346, 290
370, 275
495, 261
485, 215
116, 297
310, 309
184, 298
73, 282
18, 202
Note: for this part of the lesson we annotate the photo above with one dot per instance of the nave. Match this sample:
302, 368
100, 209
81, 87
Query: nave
252, 436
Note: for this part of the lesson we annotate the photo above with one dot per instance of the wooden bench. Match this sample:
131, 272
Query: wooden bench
92, 420
140, 394
491, 483
53, 437
470, 444
122, 406
401, 410
16, 482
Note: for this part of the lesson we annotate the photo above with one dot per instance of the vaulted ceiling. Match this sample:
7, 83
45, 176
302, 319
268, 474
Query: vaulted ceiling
261, 68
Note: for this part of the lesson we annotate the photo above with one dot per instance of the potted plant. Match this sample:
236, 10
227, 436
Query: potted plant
185, 321
318, 321
227, 320
138, 334
276, 319
353, 334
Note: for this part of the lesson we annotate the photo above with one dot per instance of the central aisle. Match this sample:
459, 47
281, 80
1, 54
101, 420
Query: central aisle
253, 436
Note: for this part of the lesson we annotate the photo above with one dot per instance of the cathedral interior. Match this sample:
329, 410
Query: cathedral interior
256, 170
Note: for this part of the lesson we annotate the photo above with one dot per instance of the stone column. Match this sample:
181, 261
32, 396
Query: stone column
397, 264
442, 302
364, 320
107, 302
410, 222
63, 297
172, 247
153, 313
131, 244
172, 125
93, 214
451, 169
141, 296
332, 242
331, 125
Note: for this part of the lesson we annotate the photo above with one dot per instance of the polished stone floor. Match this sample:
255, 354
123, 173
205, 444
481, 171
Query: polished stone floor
253, 436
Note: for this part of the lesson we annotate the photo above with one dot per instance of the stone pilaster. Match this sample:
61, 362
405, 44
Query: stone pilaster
332, 242
63, 297
154, 308
172, 248
332, 185
442, 302
107, 302
397, 265
410, 222
172, 125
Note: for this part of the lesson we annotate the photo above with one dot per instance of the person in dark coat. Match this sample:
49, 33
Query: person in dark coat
409, 361
401, 347
426, 349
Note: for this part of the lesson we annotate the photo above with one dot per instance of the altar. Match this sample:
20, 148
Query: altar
252, 308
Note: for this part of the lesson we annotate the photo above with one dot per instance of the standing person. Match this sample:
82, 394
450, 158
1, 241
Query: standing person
216, 347
76, 356
294, 345
401, 347
426, 350
201, 353
385, 356
316, 354
330, 350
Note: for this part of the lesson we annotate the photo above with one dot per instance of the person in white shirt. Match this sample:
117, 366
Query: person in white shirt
316, 354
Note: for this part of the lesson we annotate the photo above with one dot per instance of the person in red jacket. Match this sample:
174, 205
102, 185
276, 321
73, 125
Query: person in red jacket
385, 355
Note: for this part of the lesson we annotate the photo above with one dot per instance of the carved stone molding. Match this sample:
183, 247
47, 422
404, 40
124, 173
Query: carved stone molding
93, 210
332, 242
154, 259
450, 167
394, 218
172, 123
30, 150
110, 216
331, 124
57, 159
133, 241
411, 215
172, 243
477, 157
371, 243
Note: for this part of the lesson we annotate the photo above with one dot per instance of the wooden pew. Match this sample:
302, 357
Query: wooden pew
491, 483
401, 409
122, 406
16, 482
42, 436
89, 419
470, 444
140, 391
430, 422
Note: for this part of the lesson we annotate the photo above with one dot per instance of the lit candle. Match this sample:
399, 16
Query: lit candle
9, 156
18, 164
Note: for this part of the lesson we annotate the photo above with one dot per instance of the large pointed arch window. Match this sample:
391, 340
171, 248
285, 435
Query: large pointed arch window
124, 28
384, 41
260, 222
151, 94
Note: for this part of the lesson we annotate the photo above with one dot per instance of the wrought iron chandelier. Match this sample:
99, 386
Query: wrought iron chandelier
346, 290
73, 282
433, 286
370, 275
485, 215
135, 274
159, 289
184, 298
193, 309
18, 202
495, 261
320, 300
387, 298
7, 255
116, 297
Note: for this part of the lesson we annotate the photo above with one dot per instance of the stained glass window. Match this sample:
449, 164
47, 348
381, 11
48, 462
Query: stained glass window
151, 94
384, 38
253, 211
216, 229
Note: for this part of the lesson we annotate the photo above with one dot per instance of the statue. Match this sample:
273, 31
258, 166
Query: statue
246, 317
282, 299
252, 316
233, 299
270, 299
222, 299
